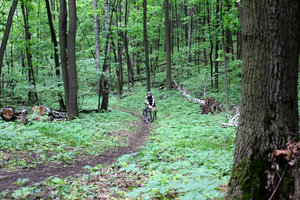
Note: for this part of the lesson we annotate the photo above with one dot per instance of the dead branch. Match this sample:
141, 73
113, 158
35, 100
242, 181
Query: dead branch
233, 120
185, 93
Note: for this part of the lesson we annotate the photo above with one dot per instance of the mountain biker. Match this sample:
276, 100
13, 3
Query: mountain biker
151, 101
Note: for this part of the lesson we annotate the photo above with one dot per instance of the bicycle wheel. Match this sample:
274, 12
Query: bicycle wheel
144, 114
149, 116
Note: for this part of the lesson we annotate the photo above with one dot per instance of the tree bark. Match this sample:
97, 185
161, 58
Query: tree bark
189, 57
104, 104
7, 114
73, 106
53, 9
168, 49
269, 105
6, 33
217, 47
56, 58
225, 60
97, 42
125, 39
32, 95
96, 29
119, 50
146, 43
63, 48
211, 47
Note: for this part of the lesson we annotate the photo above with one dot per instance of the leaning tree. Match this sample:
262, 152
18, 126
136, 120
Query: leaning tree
264, 166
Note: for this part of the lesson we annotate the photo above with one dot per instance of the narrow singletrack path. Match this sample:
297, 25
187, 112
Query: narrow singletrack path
42, 172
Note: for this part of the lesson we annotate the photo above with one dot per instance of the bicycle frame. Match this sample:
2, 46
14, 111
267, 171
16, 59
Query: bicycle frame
147, 113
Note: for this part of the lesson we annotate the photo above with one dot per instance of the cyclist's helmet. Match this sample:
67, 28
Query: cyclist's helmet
149, 92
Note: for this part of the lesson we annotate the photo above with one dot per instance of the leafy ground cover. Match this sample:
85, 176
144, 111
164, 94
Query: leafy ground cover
187, 156
26, 146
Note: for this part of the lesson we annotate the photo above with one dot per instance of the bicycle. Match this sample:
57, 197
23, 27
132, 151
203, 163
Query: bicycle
148, 114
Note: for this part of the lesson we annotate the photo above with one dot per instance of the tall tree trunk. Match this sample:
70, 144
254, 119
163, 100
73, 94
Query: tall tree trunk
225, 60
211, 46
146, 43
104, 104
63, 48
97, 42
6, 34
189, 57
177, 26
73, 106
53, 9
32, 95
56, 58
138, 62
186, 32
229, 43
217, 47
129, 65
119, 50
172, 25
168, 50
269, 105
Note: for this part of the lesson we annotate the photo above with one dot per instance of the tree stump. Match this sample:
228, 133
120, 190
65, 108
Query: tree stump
8, 114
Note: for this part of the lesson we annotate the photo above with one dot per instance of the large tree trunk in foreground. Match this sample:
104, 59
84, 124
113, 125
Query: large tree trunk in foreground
269, 111
6, 34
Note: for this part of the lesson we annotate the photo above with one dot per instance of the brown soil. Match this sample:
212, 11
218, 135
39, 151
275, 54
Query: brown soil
42, 172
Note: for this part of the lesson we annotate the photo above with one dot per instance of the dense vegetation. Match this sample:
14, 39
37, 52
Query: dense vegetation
187, 155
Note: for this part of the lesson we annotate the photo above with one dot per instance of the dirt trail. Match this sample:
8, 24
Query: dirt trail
41, 173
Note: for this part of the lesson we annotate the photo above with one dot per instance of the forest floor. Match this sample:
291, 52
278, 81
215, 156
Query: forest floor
42, 172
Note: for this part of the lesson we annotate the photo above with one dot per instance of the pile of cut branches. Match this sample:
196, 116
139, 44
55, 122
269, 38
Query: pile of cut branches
211, 106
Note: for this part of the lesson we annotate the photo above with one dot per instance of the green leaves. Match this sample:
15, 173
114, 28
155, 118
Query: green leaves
21, 181
188, 154
61, 142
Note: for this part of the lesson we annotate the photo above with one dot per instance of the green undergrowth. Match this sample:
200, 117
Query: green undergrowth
187, 156
25, 146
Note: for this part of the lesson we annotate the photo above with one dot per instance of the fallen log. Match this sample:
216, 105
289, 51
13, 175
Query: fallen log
209, 105
8, 114
53, 114
185, 93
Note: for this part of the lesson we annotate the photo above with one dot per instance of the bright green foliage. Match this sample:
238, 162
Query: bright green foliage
27, 145
188, 154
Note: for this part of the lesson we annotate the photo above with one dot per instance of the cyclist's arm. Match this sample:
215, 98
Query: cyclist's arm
153, 101
146, 101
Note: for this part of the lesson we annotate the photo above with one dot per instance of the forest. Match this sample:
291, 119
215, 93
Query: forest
223, 73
